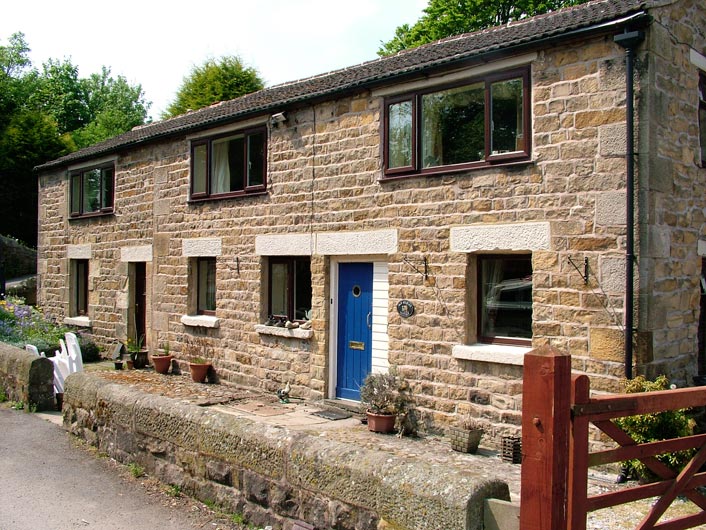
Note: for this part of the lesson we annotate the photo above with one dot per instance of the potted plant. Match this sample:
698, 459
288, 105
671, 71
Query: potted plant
199, 369
380, 397
162, 360
137, 353
466, 435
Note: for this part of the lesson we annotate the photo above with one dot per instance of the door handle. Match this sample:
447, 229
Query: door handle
369, 321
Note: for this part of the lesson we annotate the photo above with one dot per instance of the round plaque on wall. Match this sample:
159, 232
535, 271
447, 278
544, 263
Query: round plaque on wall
405, 308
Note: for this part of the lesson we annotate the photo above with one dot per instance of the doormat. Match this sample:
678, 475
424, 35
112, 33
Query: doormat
332, 414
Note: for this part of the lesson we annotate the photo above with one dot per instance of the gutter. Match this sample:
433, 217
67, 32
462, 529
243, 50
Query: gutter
629, 40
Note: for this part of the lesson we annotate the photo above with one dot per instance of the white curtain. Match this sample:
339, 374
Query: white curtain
221, 170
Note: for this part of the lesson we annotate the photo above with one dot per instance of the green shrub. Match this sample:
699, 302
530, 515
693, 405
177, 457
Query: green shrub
656, 426
90, 352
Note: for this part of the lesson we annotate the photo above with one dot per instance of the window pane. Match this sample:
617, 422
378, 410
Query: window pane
81, 287
206, 285
399, 142
220, 167
198, 179
76, 193
107, 188
506, 116
453, 130
279, 296
302, 289
91, 191
256, 159
506, 298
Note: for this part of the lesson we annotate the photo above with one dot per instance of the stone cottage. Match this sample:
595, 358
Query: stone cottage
443, 210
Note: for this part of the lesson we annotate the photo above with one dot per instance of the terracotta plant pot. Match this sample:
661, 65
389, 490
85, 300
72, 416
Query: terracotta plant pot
162, 363
130, 364
199, 372
383, 423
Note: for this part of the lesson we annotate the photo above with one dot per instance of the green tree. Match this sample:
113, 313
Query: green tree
45, 114
31, 137
213, 82
445, 18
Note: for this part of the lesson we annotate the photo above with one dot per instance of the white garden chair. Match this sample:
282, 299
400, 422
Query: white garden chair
31, 348
74, 351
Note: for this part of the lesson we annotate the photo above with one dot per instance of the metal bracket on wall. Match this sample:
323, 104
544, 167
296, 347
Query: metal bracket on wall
583, 274
413, 263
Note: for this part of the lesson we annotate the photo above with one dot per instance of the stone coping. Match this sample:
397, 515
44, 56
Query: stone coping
162, 433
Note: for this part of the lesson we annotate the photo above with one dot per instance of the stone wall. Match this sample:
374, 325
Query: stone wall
26, 378
268, 473
325, 176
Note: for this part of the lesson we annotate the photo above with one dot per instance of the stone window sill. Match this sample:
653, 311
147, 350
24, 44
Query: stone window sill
80, 322
295, 333
491, 353
201, 321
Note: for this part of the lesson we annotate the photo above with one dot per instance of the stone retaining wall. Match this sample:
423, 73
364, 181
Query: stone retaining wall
268, 473
27, 378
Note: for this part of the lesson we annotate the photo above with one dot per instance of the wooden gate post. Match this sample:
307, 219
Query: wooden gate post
546, 426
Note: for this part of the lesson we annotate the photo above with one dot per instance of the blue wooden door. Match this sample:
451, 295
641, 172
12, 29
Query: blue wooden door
355, 314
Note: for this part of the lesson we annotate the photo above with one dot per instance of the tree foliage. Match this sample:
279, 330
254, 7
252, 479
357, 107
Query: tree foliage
47, 113
445, 18
214, 81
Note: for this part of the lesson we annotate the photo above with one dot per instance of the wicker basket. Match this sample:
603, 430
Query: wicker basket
464, 440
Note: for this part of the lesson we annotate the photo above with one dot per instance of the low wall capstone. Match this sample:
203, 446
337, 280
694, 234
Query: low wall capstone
268, 473
27, 378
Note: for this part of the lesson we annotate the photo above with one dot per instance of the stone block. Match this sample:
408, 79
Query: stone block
607, 344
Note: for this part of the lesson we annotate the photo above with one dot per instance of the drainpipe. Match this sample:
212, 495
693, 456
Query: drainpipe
629, 40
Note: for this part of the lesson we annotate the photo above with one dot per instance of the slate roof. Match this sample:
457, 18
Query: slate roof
521, 34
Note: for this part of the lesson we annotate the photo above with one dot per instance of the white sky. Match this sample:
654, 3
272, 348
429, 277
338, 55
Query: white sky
156, 43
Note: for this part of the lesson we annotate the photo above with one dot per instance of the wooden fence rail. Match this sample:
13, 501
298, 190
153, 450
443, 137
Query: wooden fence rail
556, 415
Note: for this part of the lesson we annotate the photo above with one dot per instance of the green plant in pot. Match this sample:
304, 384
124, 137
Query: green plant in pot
162, 359
381, 398
199, 365
465, 435
137, 353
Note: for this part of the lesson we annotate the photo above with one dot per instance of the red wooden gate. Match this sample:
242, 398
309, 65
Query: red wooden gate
556, 413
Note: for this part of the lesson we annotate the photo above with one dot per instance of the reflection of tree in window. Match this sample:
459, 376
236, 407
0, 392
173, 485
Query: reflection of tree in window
91, 190
506, 116
453, 129
400, 134
505, 298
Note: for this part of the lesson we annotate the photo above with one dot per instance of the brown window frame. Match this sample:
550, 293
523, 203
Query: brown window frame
291, 263
516, 341
247, 134
78, 178
200, 309
416, 167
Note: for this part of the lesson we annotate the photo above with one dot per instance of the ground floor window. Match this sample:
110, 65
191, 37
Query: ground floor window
79, 287
206, 286
505, 299
289, 288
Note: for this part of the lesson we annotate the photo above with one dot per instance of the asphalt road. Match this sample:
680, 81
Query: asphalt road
48, 482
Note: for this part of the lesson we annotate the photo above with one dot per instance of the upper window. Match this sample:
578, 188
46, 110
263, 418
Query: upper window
505, 299
206, 286
229, 165
475, 124
92, 190
290, 288
702, 116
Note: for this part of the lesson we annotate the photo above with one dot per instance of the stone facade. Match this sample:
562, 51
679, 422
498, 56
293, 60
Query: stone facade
327, 198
